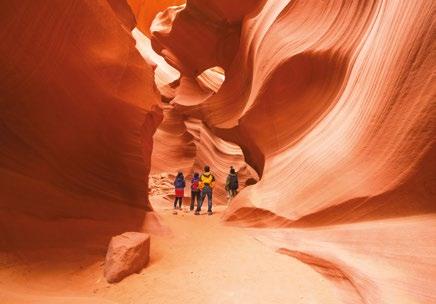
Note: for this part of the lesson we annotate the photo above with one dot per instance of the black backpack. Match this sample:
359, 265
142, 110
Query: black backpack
233, 183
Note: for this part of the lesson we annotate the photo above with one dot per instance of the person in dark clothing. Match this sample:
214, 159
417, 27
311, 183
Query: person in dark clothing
207, 181
195, 190
232, 184
179, 184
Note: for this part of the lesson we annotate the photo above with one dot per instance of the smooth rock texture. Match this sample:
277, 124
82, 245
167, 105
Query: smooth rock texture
327, 106
145, 11
127, 253
78, 112
332, 103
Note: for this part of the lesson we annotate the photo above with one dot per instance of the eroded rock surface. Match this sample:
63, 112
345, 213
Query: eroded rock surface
78, 112
127, 253
332, 104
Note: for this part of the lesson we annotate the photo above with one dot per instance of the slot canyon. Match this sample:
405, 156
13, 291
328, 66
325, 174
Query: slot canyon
326, 109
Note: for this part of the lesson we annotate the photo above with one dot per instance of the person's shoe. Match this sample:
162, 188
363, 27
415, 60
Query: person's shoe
209, 212
197, 212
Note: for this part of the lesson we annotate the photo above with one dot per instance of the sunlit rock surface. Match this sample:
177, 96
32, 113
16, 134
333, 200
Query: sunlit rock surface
145, 11
332, 103
328, 105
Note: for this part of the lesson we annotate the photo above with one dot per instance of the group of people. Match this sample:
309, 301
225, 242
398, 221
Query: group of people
202, 187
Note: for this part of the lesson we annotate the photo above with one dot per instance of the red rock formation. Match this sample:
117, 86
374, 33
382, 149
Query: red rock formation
145, 11
174, 147
165, 76
332, 103
128, 253
78, 111
213, 42
183, 143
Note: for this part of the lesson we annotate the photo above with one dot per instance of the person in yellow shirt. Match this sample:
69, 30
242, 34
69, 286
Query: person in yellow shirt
206, 184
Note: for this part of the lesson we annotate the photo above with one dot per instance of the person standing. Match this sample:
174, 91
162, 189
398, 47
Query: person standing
195, 190
179, 185
206, 186
232, 184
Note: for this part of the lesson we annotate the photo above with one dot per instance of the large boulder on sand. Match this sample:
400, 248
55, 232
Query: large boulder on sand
127, 253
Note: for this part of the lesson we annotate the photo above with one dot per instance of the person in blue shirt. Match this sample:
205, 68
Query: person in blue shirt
179, 184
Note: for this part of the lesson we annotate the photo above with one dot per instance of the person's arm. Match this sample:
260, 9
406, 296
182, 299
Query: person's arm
212, 184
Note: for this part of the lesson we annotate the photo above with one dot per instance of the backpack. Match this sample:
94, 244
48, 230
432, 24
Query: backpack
233, 182
194, 184
179, 183
207, 180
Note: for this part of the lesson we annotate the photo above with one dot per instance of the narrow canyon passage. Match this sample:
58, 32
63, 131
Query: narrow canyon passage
325, 108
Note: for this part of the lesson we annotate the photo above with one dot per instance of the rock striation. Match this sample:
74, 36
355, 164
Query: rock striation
328, 107
78, 111
332, 104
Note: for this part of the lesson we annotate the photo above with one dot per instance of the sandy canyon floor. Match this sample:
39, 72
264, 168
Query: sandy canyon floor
194, 259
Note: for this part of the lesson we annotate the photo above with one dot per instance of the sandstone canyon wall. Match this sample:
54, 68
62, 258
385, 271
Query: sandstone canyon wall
78, 111
333, 104
183, 142
145, 11
328, 105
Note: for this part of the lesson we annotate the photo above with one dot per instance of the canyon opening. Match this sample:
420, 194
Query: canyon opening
323, 110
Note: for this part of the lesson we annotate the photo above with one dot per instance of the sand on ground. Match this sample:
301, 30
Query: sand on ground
198, 260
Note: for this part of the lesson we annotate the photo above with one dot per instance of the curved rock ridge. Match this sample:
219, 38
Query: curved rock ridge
166, 77
145, 11
212, 78
219, 155
78, 112
174, 149
332, 103
213, 41
183, 143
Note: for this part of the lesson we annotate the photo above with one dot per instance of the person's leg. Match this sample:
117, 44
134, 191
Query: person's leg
209, 200
175, 202
229, 196
233, 193
200, 203
193, 194
180, 202
198, 197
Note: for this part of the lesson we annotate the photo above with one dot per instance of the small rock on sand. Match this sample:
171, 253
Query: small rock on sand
127, 253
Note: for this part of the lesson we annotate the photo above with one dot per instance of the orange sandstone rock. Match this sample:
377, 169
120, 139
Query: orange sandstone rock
332, 104
78, 112
127, 253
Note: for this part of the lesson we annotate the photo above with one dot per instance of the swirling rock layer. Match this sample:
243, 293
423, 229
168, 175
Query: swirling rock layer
330, 102
333, 104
